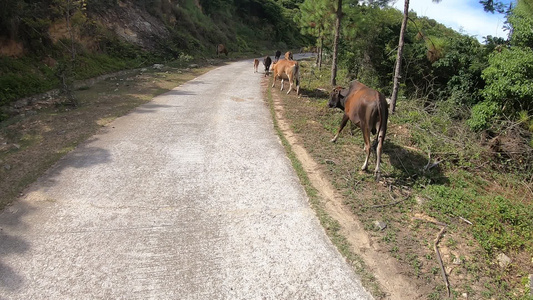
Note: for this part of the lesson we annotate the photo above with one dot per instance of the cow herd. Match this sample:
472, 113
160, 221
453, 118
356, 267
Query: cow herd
363, 106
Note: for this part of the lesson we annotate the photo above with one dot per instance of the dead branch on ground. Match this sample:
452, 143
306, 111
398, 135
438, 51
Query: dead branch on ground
391, 204
465, 220
437, 252
430, 165
443, 271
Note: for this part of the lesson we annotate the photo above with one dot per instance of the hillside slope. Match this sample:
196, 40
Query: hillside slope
45, 42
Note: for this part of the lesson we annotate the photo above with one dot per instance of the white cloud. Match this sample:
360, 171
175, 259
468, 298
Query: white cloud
459, 15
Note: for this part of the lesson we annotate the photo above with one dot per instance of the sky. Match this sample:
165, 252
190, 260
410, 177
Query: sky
465, 16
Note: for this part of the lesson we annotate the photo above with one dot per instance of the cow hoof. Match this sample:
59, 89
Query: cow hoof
333, 140
377, 176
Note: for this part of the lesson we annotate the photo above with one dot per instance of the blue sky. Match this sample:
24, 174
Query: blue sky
466, 16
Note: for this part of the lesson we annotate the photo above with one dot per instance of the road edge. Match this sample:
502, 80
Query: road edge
378, 271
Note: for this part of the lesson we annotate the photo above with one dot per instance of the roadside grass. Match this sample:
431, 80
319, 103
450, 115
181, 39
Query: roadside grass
461, 186
32, 142
331, 226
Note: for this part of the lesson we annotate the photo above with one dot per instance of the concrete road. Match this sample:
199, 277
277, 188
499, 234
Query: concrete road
190, 196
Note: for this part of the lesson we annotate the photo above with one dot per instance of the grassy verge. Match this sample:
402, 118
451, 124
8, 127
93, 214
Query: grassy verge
464, 185
331, 225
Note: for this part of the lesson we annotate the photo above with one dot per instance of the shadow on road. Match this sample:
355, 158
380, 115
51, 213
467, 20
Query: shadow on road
11, 245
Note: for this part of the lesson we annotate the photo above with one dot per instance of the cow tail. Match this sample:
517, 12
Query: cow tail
297, 74
383, 117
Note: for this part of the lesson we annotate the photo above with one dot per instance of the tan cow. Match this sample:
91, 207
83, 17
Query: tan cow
288, 55
287, 70
256, 65
222, 49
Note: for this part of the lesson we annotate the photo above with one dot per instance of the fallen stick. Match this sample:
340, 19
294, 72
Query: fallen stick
390, 204
429, 221
443, 271
430, 165
466, 221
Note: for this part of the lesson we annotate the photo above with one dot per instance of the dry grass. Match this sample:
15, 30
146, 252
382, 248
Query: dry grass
463, 186
32, 142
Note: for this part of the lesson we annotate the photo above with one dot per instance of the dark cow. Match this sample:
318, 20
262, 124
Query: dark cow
278, 54
222, 49
267, 62
366, 108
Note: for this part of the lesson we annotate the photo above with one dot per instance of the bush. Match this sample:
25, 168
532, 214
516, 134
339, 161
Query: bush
482, 113
509, 79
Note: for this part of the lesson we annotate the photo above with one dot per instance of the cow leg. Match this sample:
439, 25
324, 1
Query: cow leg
290, 85
274, 81
282, 81
345, 119
366, 137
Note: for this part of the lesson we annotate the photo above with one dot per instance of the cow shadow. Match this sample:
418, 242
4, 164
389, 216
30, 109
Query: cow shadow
409, 166
314, 93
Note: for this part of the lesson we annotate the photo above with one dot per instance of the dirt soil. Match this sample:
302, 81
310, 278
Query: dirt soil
384, 221
385, 268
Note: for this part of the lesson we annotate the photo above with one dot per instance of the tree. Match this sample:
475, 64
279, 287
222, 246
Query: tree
508, 76
336, 43
521, 24
72, 10
315, 18
397, 68
396, 84
492, 6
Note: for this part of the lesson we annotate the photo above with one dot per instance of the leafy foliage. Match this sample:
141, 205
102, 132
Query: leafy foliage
193, 26
510, 79
482, 115
521, 21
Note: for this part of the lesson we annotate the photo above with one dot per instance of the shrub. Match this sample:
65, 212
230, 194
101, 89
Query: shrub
482, 113
509, 79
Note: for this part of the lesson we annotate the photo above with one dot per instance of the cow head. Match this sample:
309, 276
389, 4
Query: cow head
336, 98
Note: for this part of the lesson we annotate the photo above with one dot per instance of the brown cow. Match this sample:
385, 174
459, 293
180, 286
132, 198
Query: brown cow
256, 65
222, 49
267, 62
287, 69
288, 55
366, 108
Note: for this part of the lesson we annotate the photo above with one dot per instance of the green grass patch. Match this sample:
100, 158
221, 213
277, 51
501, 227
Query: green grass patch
331, 226
499, 224
464, 184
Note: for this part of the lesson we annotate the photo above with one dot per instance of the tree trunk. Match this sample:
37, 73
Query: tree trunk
397, 76
320, 53
70, 31
336, 44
